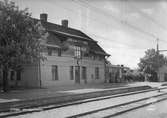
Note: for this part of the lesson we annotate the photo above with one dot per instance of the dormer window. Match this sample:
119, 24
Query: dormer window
54, 52
49, 51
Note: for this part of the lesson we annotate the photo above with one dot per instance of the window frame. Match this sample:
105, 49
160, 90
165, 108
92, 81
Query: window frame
71, 72
50, 51
12, 75
18, 75
59, 52
97, 73
84, 72
77, 51
55, 75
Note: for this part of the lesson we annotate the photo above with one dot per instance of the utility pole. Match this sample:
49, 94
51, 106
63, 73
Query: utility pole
158, 58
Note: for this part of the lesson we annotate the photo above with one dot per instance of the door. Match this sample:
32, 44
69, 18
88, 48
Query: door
84, 74
77, 74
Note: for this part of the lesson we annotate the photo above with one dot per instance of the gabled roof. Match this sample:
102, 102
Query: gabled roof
97, 49
73, 33
66, 31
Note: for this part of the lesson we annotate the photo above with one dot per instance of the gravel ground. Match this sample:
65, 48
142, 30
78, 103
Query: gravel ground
157, 110
75, 109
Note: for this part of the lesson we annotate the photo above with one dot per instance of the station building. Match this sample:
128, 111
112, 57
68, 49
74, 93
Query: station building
71, 57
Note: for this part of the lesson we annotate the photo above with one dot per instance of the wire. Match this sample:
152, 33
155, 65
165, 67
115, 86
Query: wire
95, 20
122, 22
151, 19
140, 30
117, 19
148, 17
104, 38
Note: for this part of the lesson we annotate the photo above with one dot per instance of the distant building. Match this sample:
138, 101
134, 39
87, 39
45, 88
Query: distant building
115, 73
71, 57
112, 72
162, 73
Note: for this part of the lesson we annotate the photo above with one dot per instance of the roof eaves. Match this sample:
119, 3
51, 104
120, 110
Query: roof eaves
102, 53
71, 35
53, 46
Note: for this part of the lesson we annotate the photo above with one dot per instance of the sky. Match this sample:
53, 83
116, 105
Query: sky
125, 29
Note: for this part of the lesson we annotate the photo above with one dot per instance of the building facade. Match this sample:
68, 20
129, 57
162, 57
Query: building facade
116, 73
71, 57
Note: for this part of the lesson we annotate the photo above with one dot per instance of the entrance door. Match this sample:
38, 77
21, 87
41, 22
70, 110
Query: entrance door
77, 74
84, 74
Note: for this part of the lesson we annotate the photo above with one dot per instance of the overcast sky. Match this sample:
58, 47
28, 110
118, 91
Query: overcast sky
124, 28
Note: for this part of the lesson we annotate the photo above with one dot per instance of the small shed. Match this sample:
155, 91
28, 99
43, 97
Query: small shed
162, 73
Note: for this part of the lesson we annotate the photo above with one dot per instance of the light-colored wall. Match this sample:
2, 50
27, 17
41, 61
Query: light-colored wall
30, 75
64, 63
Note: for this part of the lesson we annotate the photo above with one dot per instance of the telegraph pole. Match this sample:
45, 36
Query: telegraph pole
158, 58
158, 52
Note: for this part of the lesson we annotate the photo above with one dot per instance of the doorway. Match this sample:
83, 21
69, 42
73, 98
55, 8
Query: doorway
77, 74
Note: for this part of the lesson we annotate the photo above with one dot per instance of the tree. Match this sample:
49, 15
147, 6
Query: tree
150, 63
19, 39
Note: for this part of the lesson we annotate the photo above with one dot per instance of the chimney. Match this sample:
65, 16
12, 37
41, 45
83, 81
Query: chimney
64, 23
43, 17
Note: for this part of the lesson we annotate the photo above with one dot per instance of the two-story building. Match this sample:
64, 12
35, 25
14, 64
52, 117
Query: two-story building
72, 57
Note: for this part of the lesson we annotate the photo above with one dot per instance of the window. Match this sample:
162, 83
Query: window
84, 73
54, 52
49, 52
101, 58
77, 52
18, 74
71, 73
97, 73
12, 75
0, 74
59, 52
54, 72
93, 57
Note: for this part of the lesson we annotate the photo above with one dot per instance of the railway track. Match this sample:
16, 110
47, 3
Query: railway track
110, 110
